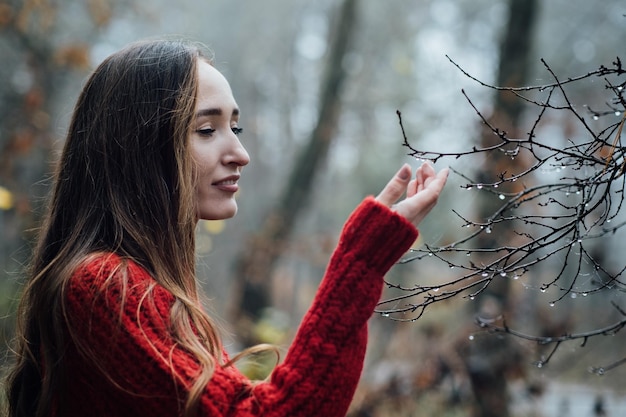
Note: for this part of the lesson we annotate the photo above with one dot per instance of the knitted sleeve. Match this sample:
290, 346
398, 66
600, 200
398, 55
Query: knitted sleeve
323, 366
146, 372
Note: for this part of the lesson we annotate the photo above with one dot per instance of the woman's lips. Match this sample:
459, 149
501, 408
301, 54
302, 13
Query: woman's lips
228, 184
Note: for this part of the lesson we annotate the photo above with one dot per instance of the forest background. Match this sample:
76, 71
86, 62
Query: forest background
319, 84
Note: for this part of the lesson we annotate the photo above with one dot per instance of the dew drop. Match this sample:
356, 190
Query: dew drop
479, 186
501, 196
551, 304
385, 314
471, 337
595, 117
617, 113
484, 274
573, 295
503, 274
543, 290
515, 276
472, 297
435, 289
488, 230
539, 364
585, 294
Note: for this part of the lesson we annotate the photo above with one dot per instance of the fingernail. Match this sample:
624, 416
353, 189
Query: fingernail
404, 173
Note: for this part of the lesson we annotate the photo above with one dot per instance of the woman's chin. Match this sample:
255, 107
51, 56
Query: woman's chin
223, 212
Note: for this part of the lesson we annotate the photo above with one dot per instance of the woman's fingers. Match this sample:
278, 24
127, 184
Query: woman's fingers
416, 207
411, 190
396, 187
424, 175
422, 192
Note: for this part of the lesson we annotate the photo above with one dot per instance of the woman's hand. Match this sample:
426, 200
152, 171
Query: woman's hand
422, 192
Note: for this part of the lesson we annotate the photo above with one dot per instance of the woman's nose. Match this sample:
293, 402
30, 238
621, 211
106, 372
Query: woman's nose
238, 154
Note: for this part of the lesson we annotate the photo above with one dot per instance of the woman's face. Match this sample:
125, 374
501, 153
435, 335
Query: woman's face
215, 147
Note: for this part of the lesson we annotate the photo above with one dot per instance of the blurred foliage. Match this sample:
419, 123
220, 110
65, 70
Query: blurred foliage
45, 46
6, 199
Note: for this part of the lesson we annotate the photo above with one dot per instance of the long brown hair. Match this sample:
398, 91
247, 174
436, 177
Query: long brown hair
125, 185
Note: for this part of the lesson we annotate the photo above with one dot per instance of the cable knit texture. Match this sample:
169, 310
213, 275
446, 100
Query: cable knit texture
317, 378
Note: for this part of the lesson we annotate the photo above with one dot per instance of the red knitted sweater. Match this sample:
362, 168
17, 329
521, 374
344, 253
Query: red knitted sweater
317, 378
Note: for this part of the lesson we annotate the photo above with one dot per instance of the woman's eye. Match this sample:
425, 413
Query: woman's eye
237, 130
206, 132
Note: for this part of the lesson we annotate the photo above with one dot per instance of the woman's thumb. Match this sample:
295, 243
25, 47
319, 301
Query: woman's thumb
396, 187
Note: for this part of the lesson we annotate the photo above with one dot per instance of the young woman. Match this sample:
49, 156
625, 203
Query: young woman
111, 324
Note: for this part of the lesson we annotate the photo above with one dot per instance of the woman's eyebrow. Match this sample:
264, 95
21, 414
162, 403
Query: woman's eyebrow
214, 112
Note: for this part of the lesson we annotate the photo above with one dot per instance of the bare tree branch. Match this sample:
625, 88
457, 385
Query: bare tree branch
564, 201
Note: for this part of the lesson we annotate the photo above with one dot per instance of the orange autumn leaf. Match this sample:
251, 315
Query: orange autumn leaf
33, 99
73, 56
100, 11
36, 13
6, 14
23, 141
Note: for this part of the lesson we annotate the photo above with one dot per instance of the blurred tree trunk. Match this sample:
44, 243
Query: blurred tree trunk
491, 361
254, 265
36, 65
